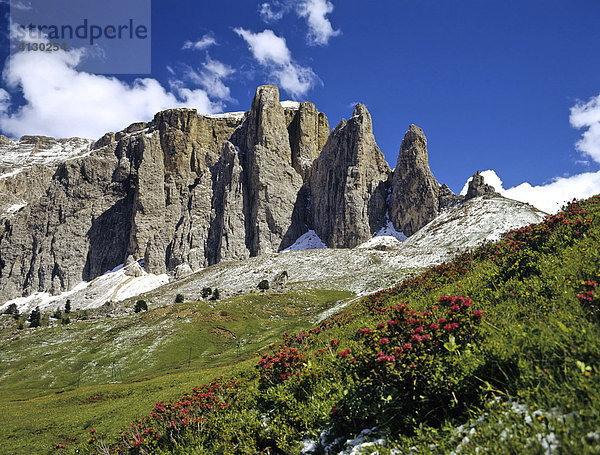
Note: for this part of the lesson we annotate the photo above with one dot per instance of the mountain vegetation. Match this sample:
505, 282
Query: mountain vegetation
495, 351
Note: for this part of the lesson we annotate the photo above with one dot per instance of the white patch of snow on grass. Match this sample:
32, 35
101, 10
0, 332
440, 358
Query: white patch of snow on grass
335, 309
10, 174
380, 243
307, 241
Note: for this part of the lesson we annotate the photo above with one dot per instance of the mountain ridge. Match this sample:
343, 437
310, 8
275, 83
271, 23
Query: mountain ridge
186, 191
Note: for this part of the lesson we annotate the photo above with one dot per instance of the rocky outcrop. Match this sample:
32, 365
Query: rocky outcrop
415, 192
308, 131
348, 184
273, 184
73, 230
181, 192
478, 187
447, 199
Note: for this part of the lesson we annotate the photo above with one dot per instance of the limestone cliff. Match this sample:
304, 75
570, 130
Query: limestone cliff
185, 191
415, 192
348, 184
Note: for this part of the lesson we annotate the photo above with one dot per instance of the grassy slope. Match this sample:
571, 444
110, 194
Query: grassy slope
523, 380
40, 403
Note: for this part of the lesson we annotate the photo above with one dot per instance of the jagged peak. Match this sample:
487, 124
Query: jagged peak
478, 187
413, 135
360, 110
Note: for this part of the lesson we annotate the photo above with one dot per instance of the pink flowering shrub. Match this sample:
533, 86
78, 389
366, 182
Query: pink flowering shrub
415, 360
278, 367
589, 296
173, 421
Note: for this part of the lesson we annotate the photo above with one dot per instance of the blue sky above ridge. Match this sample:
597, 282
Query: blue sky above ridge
494, 85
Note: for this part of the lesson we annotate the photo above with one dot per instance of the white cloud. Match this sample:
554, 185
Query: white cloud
211, 77
274, 11
587, 115
203, 43
4, 101
61, 101
550, 197
14, 4
272, 53
315, 12
266, 47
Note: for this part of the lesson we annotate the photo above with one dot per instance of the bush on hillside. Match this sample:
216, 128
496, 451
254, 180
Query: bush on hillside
140, 305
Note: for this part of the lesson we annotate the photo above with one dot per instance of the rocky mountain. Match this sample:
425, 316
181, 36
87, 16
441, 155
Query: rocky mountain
348, 184
375, 264
186, 191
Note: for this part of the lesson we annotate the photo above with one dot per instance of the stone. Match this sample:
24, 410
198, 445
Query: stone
273, 184
478, 187
414, 200
348, 184
308, 132
447, 199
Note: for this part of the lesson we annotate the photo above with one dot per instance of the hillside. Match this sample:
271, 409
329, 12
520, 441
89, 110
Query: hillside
497, 350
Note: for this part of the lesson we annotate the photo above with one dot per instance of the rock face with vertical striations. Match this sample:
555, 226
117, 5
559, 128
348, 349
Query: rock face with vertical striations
273, 184
348, 184
308, 130
415, 192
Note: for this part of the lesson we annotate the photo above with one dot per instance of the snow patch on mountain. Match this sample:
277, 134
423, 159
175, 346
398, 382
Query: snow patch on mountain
290, 104
114, 286
11, 210
239, 115
390, 231
307, 241
31, 150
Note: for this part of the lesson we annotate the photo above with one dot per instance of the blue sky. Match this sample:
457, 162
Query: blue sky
494, 84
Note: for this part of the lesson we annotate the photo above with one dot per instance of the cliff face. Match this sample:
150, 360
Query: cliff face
415, 191
348, 184
185, 191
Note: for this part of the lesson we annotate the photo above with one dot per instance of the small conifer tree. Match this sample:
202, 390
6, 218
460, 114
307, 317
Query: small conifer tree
140, 305
206, 292
35, 318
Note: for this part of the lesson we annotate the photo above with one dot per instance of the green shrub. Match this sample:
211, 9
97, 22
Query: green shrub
35, 318
179, 298
206, 292
263, 285
140, 305
11, 309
